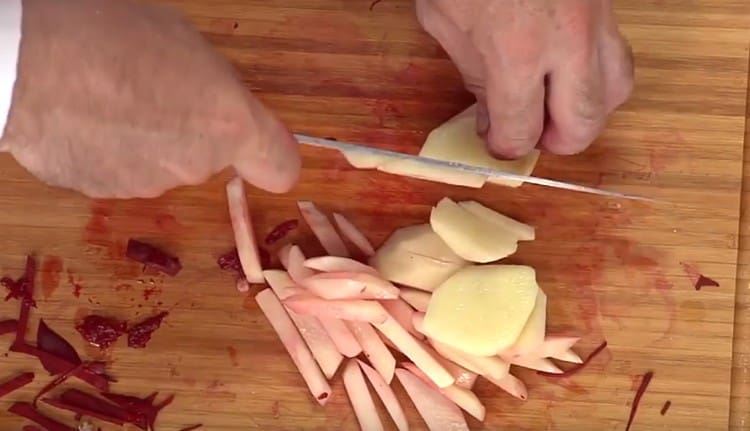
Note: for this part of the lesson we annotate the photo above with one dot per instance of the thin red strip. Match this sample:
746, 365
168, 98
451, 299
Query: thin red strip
27, 411
15, 383
638, 395
57, 382
576, 369
8, 326
75, 397
26, 286
60, 365
80, 410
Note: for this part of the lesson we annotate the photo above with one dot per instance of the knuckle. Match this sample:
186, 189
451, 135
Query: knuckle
579, 136
514, 143
590, 111
621, 92
624, 86
623, 82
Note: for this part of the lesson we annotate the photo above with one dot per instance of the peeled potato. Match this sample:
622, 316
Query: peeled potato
457, 140
481, 310
473, 238
364, 160
522, 231
411, 168
532, 335
415, 256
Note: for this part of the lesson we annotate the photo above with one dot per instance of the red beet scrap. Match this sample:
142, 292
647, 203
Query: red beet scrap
265, 257
153, 257
280, 231
665, 407
8, 326
638, 395
31, 428
140, 334
15, 383
51, 342
89, 374
23, 290
101, 331
142, 409
230, 261
28, 411
84, 404
577, 368
704, 281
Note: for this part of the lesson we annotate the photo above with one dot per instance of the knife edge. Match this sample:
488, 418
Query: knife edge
489, 172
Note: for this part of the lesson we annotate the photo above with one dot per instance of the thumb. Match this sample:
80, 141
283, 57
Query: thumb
269, 158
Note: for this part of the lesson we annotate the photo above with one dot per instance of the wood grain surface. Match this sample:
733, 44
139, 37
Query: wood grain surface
613, 270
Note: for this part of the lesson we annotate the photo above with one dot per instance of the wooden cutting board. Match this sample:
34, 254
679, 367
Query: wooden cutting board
613, 270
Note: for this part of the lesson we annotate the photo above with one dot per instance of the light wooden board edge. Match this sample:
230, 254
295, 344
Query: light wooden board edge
739, 411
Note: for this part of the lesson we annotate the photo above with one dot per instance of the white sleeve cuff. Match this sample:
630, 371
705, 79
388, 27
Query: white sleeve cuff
10, 44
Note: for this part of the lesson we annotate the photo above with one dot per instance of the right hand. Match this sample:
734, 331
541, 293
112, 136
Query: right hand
117, 99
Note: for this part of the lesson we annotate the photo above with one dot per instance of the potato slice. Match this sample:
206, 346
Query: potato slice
532, 335
438, 174
473, 238
415, 256
364, 160
481, 310
522, 231
524, 166
457, 140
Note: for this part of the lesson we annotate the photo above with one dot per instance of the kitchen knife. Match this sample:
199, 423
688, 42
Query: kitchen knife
350, 148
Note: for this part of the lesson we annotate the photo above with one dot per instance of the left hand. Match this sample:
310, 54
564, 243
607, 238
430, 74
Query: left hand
546, 73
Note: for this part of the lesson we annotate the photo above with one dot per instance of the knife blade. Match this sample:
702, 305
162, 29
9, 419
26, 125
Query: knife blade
346, 147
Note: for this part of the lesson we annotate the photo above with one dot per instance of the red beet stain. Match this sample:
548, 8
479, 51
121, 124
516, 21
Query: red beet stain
98, 230
51, 268
635, 381
167, 222
151, 291
658, 159
77, 287
140, 334
233, 356
412, 74
280, 231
